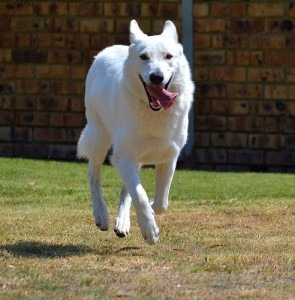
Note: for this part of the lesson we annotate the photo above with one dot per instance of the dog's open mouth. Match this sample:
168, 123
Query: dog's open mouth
158, 95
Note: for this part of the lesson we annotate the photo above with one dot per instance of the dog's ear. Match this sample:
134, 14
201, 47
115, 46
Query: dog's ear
170, 30
135, 32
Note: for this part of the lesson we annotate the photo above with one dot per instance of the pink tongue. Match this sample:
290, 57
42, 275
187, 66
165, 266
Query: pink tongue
165, 97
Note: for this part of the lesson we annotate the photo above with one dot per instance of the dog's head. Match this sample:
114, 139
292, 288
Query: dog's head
156, 60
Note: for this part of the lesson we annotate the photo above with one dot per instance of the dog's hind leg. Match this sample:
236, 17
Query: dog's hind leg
94, 144
122, 222
164, 175
100, 211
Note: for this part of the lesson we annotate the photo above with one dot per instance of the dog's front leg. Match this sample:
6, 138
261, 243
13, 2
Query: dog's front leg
164, 175
122, 222
145, 216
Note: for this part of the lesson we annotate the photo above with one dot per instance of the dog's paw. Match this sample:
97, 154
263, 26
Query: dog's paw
148, 226
151, 234
102, 221
122, 226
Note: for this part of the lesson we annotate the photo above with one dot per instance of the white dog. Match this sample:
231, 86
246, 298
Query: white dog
137, 99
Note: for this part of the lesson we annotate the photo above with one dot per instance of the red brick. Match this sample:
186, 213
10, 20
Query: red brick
266, 9
74, 134
220, 107
17, 71
7, 87
65, 57
5, 23
202, 41
280, 158
66, 120
209, 25
27, 24
246, 157
203, 106
245, 124
211, 90
242, 58
78, 41
32, 86
245, 26
230, 41
280, 124
267, 108
279, 25
121, 9
5, 55
31, 119
257, 58
245, 91
76, 105
276, 92
69, 87
12, 8
53, 71
162, 10
224, 9
280, 58
29, 56
210, 58
48, 40
19, 102
201, 74
232, 140
7, 40
266, 74
228, 74
201, 9
62, 25
22, 134
203, 139
49, 135
5, 134
53, 8
23, 40
67, 152
266, 141
96, 25
268, 42
86, 9
211, 123
211, 156
7, 117
31, 150
52, 104
238, 107
291, 9
79, 72
6, 149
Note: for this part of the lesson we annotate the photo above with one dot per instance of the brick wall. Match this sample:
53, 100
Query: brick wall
244, 68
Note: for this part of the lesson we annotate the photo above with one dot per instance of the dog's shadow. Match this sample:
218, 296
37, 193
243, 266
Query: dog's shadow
46, 250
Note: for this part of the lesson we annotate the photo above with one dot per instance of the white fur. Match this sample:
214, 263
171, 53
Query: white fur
118, 114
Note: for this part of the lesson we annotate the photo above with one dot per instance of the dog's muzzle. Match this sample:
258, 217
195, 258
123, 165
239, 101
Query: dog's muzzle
158, 95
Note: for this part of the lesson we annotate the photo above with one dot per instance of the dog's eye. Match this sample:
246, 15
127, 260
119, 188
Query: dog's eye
144, 57
169, 56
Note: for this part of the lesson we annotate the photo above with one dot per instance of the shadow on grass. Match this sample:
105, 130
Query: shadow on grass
45, 250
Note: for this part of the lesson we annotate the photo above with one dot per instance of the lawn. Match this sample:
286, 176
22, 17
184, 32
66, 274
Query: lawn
225, 236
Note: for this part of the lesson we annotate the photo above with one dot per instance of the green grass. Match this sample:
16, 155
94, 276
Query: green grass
225, 235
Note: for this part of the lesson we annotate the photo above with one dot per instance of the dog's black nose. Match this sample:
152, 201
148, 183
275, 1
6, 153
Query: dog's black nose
156, 78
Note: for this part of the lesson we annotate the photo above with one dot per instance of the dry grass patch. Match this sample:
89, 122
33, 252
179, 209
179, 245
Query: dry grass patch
238, 245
